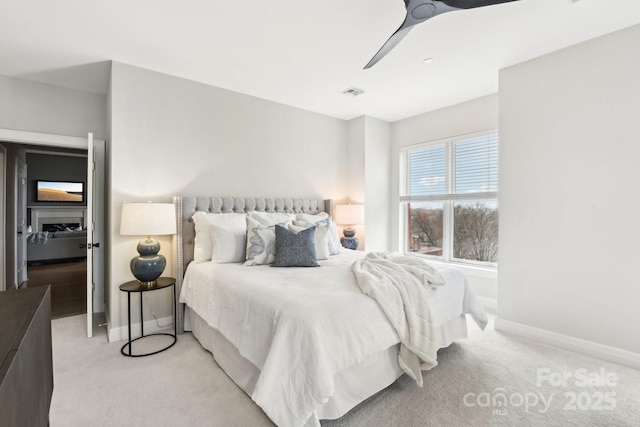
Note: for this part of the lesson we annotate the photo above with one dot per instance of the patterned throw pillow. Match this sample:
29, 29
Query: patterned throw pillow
295, 250
261, 240
271, 218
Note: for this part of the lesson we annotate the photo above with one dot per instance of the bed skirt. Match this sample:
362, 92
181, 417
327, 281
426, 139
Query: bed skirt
352, 386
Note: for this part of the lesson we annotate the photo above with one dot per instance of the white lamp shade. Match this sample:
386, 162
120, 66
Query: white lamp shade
148, 219
349, 214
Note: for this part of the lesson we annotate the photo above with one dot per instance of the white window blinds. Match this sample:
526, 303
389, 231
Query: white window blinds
455, 169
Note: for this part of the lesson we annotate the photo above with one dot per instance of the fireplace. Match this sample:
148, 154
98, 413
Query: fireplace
60, 226
56, 217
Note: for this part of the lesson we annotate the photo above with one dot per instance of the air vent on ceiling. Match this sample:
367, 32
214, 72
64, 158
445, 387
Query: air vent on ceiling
353, 91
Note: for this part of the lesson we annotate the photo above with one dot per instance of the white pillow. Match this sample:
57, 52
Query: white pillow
272, 218
229, 244
321, 239
334, 239
261, 243
312, 218
229, 226
322, 218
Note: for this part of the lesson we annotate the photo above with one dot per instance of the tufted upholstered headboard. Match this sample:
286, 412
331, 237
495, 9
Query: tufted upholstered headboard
186, 206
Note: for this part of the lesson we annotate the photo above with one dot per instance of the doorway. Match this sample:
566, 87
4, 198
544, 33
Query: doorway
57, 226
52, 231
68, 219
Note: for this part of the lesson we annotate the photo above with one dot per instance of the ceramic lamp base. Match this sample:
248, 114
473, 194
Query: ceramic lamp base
349, 242
149, 265
349, 232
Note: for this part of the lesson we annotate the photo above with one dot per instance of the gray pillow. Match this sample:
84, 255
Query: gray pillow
295, 250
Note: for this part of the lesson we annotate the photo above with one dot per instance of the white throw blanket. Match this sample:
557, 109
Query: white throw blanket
38, 237
404, 286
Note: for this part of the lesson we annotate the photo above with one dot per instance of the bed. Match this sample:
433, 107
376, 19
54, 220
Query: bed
305, 343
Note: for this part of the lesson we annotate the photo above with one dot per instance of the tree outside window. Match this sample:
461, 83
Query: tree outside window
450, 191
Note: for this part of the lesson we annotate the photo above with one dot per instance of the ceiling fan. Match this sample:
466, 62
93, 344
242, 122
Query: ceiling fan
419, 11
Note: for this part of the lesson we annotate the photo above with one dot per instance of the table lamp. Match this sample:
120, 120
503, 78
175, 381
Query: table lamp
349, 215
147, 219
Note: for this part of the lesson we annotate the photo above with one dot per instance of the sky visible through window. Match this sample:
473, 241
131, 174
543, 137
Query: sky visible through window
428, 171
476, 168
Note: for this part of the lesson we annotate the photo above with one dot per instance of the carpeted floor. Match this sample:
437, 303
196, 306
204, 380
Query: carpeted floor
489, 379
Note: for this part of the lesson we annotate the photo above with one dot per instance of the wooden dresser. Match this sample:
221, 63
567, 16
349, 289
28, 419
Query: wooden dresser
26, 364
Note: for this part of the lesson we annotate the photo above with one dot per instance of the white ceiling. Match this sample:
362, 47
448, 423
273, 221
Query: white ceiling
296, 52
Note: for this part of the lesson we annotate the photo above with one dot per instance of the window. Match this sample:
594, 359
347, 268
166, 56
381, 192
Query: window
449, 193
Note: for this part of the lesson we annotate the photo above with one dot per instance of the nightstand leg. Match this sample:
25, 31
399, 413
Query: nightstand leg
141, 319
129, 319
175, 309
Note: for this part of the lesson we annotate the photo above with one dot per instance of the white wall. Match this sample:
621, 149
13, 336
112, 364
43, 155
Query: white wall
368, 176
355, 161
37, 107
569, 150
461, 119
377, 178
355, 173
172, 136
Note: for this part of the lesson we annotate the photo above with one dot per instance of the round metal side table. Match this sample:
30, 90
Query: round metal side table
134, 286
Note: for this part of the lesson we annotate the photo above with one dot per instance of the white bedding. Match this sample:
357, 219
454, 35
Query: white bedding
300, 326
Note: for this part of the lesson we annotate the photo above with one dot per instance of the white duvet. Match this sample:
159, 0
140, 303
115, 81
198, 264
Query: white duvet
301, 326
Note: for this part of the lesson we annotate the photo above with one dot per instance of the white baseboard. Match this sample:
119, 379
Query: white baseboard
490, 304
600, 351
107, 320
150, 327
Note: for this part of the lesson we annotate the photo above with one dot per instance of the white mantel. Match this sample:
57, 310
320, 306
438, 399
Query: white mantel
56, 214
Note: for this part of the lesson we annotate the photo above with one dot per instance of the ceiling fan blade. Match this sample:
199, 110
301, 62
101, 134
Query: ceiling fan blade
470, 4
417, 11
388, 45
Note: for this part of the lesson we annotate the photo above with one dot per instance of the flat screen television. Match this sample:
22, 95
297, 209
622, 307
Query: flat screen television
59, 191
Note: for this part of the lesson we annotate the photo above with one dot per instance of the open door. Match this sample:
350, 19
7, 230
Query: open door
90, 222
3, 236
21, 221
95, 229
